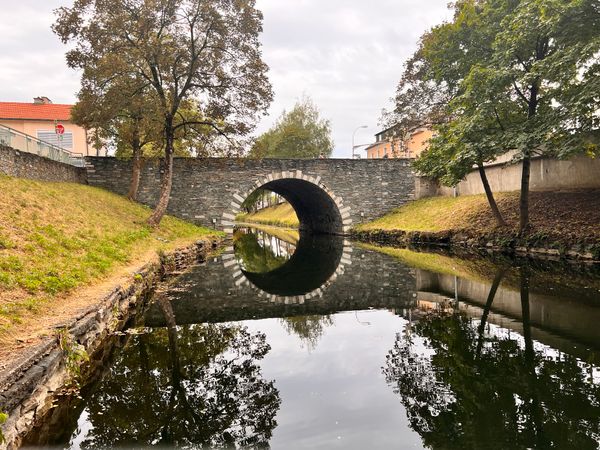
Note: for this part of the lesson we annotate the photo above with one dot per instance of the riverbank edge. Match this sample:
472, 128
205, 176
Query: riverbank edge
268, 223
29, 388
529, 246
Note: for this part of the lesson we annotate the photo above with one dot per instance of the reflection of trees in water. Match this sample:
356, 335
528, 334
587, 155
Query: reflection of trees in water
502, 393
194, 385
259, 252
308, 328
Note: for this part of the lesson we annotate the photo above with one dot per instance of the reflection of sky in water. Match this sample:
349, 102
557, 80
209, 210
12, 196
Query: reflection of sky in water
335, 396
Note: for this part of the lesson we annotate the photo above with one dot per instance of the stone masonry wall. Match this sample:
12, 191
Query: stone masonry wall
27, 165
30, 386
204, 190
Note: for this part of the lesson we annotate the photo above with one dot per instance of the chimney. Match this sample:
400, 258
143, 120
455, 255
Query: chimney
42, 101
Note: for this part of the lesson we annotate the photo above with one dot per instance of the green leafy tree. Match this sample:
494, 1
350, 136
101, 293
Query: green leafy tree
202, 50
299, 133
190, 386
123, 115
310, 329
253, 200
545, 60
523, 76
429, 93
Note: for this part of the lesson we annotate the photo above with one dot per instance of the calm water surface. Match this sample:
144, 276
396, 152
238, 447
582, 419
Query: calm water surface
319, 343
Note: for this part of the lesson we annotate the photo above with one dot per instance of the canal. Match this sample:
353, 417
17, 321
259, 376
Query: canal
317, 342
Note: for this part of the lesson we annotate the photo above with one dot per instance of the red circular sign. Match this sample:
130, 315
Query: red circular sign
60, 129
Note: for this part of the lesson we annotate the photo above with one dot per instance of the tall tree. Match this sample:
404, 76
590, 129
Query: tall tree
206, 50
197, 386
122, 114
428, 93
525, 72
544, 61
467, 388
299, 133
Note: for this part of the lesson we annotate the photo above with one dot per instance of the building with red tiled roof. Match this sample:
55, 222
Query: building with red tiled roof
39, 119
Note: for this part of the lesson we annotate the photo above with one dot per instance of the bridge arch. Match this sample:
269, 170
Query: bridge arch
312, 269
319, 210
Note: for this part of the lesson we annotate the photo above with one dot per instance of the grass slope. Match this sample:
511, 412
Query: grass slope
566, 216
430, 214
282, 215
56, 237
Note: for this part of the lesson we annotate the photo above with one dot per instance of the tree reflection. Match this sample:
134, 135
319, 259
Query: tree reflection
500, 392
188, 386
258, 252
308, 328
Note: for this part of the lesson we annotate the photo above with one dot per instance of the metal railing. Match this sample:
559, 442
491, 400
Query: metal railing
29, 144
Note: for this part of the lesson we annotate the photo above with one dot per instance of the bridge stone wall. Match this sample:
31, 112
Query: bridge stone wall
209, 191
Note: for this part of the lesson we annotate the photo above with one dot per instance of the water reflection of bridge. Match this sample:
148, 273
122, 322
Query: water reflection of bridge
352, 278
214, 292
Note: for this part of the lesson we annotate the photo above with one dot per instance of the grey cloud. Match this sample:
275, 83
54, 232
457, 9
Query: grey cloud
31, 56
346, 54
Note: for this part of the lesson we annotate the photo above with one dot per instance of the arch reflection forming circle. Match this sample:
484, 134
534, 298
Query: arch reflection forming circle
316, 263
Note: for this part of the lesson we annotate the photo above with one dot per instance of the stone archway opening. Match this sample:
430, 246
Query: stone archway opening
318, 209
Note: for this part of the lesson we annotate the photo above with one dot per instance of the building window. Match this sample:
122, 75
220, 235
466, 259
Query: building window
52, 138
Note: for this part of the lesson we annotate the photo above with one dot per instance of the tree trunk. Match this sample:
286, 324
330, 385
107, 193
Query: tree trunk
490, 195
524, 200
535, 405
136, 168
166, 308
524, 273
488, 306
166, 182
525, 175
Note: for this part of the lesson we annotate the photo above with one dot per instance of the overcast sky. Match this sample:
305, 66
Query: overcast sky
345, 54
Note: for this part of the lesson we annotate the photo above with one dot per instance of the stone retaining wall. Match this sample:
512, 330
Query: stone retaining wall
28, 388
27, 165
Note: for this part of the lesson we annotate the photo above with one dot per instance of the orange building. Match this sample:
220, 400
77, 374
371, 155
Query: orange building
38, 119
387, 145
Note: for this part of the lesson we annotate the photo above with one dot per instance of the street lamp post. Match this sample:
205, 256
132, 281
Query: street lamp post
353, 135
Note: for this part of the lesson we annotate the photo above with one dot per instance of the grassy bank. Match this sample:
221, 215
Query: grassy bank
559, 220
282, 215
433, 214
57, 237
434, 262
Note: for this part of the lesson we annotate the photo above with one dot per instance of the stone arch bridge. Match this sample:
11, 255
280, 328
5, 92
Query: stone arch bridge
329, 195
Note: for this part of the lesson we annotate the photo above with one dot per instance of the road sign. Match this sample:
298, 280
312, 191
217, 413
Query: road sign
59, 128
